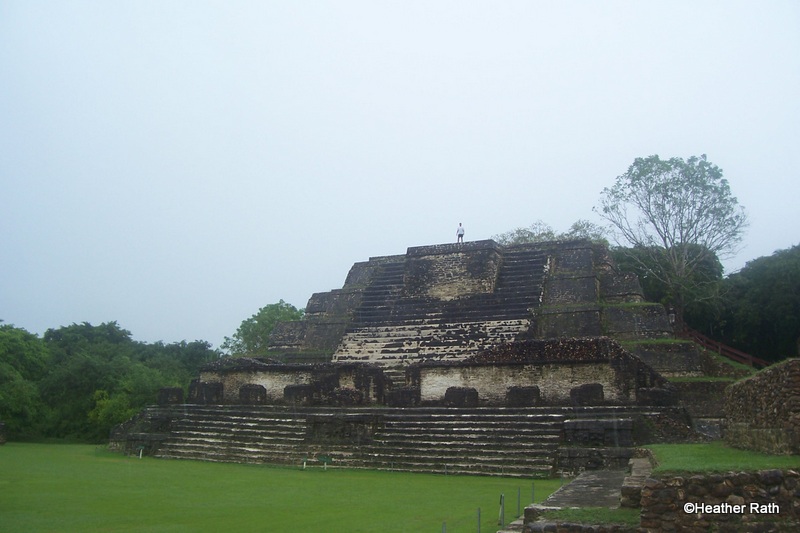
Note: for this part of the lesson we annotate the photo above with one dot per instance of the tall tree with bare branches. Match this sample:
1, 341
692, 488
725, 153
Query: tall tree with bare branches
676, 214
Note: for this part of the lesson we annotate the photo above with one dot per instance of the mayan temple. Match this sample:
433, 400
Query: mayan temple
478, 358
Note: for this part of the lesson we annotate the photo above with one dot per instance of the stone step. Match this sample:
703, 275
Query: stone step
542, 460
433, 327
476, 469
505, 434
519, 308
439, 345
485, 441
456, 339
300, 413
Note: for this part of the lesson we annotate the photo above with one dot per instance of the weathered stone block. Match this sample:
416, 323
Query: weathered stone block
571, 290
403, 397
346, 397
569, 322
587, 394
447, 272
656, 396
523, 396
614, 432
170, 396
637, 321
342, 429
206, 393
252, 394
298, 394
461, 397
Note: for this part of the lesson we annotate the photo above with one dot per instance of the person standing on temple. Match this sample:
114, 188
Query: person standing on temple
460, 233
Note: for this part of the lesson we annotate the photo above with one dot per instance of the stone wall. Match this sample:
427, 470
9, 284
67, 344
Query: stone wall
570, 298
675, 358
635, 321
274, 379
703, 399
585, 296
559, 369
492, 381
575, 459
447, 272
363, 272
763, 411
170, 396
768, 500
241, 380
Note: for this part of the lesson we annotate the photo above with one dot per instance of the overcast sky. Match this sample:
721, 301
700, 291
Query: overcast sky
175, 166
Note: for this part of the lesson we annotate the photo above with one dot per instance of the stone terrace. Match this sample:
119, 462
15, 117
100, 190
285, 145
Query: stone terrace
524, 442
445, 302
518, 442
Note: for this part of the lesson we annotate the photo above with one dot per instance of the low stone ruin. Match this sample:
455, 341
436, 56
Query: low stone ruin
562, 372
763, 411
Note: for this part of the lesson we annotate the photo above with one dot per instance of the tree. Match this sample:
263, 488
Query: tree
23, 361
252, 337
762, 311
79, 381
542, 232
678, 213
100, 376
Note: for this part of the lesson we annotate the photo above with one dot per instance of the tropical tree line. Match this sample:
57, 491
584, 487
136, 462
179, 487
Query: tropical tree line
77, 382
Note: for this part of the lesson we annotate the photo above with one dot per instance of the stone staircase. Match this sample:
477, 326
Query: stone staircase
393, 329
475, 441
238, 434
482, 441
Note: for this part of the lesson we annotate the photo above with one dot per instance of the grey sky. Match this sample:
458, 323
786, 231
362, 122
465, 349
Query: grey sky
175, 166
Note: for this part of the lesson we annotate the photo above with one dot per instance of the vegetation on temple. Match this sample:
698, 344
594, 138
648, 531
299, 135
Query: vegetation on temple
540, 231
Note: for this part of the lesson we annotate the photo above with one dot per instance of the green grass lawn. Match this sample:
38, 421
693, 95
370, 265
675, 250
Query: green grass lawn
86, 488
715, 457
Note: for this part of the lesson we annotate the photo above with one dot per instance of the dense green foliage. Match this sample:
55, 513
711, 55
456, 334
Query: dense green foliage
252, 337
761, 314
83, 488
78, 381
677, 216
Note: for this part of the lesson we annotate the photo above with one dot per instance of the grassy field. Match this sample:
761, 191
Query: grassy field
715, 457
65, 488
